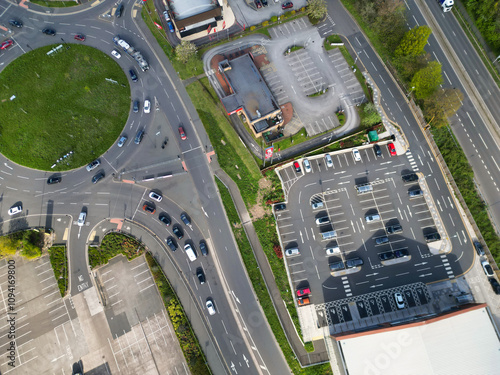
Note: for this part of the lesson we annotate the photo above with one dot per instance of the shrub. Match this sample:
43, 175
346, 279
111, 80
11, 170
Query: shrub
274, 19
252, 28
265, 23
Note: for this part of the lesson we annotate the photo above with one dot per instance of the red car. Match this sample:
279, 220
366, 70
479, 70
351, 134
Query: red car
392, 149
181, 132
287, 5
7, 44
303, 292
296, 165
80, 37
149, 208
258, 4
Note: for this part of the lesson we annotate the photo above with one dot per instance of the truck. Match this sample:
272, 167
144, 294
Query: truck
446, 5
143, 64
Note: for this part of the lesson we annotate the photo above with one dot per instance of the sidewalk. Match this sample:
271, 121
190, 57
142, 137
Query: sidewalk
305, 359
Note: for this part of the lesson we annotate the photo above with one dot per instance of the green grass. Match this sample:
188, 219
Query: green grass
318, 93
113, 244
331, 39
357, 73
260, 287
55, 4
62, 103
218, 128
309, 346
297, 138
187, 339
59, 263
27, 243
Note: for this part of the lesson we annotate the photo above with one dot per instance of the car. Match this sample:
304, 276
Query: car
81, 218
80, 37
479, 248
386, 255
356, 154
135, 107
322, 220
303, 301
279, 207
303, 292
171, 26
167, 17
185, 219
138, 137
93, 165
296, 165
210, 306
377, 150
182, 133
287, 5
398, 298
98, 177
54, 180
494, 285
264, 2
119, 11
200, 275
133, 75
203, 248
307, 165
291, 252
333, 250
149, 207
116, 54
354, 262
411, 177
178, 232
16, 23
147, 106
329, 161
415, 193
372, 218
49, 31
171, 243
6, 44
15, 210
487, 268
164, 219
258, 4
432, 237
336, 266
392, 149
381, 240
155, 196
317, 205
392, 229
122, 141
401, 253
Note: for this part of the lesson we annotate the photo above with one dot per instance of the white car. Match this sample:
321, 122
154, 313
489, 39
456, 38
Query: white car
155, 196
329, 161
122, 141
291, 252
116, 54
400, 303
147, 106
81, 218
487, 268
15, 210
307, 165
210, 306
356, 154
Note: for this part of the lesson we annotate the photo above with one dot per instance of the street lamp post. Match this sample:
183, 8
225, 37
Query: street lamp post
409, 92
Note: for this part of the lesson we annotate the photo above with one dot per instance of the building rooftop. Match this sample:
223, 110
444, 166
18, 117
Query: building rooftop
188, 8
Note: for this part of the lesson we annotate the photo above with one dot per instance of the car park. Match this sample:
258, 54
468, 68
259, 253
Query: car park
494, 285
148, 207
354, 262
203, 248
381, 240
409, 177
296, 165
122, 141
292, 251
116, 54
133, 75
307, 165
392, 149
81, 218
317, 205
377, 150
200, 275
487, 268
479, 248
15, 210
16, 23
401, 253
135, 107
432, 237
119, 11
210, 306
155, 196
372, 218
93, 165
182, 133
386, 255
185, 219
303, 292
287, 5
49, 31
356, 154
53, 180
6, 44
336, 266
178, 232
398, 298
328, 160
138, 137
164, 219
171, 243
279, 207
303, 301
415, 193
322, 220
393, 229
147, 106
98, 177
80, 37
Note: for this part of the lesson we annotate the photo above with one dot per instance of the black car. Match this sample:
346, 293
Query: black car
200, 275
164, 219
119, 11
49, 31
185, 219
410, 177
377, 150
203, 248
479, 248
98, 177
432, 237
133, 75
279, 207
394, 229
16, 23
53, 180
386, 256
494, 285
178, 232
401, 253
171, 243
264, 2
136, 106
381, 240
138, 137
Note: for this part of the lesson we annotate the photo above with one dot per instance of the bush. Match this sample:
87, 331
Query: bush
252, 28
265, 23
274, 19
59, 263
112, 245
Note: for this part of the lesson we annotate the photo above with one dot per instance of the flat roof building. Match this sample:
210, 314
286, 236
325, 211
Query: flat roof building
193, 16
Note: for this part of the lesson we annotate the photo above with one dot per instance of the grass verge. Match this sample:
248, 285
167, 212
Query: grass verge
299, 137
183, 330
59, 262
331, 39
113, 244
55, 4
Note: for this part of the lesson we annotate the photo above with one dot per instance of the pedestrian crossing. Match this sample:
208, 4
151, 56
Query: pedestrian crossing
447, 267
412, 161
347, 286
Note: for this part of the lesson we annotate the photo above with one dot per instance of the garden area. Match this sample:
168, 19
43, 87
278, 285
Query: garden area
112, 245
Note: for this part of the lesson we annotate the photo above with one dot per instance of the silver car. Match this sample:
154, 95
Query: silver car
122, 141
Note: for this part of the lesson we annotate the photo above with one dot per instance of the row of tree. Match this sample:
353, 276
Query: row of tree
487, 19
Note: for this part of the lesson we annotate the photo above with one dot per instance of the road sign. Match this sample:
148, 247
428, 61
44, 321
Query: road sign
158, 26
269, 152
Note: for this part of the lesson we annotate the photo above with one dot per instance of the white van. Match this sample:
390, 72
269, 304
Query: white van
190, 252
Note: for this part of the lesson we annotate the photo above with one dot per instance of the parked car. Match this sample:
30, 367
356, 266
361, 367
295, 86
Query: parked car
6, 44
303, 301
182, 133
119, 11
381, 240
316, 205
377, 150
392, 229
392, 149
307, 165
487, 268
148, 207
171, 243
200, 275
264, 2
415, 193
93, 165
135, 108
185, 219
210, 306
401, 253
354, 262
494, 285
203, 248
122, 141
296, 165
279, 207
398, 298
116, 54
155, 196
178, 231
164, 219
287, 5
98, 177
138, 137
386, 255
432, 237
16, 23
372, 218
133, 75
322, 220
258, 4
329, 161
54, 180
356, 154
409, 177
15, 210
49, 31
291, 252
147, 106
167, 17
479, 248
81, 218
303, 292
80, 37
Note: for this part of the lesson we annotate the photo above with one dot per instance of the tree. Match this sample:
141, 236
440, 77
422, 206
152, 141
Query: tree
316, 9
442, 105
370, 115
185, 51
414, 41
426, 81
